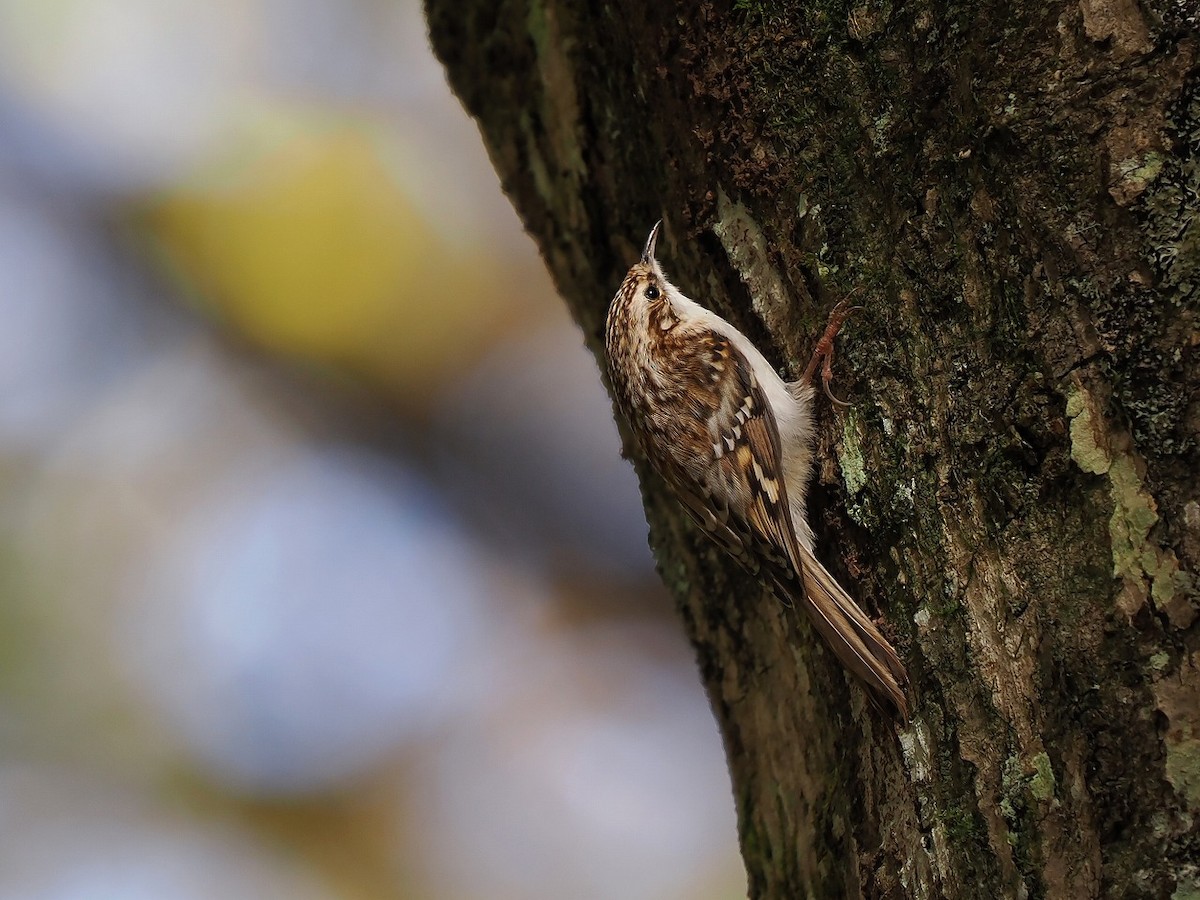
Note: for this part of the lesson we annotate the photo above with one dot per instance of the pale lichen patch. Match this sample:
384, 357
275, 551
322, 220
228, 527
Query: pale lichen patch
750, 254
850, 456
1187, 889
1042, 784
914, 744
1130, 177
1088, 442
1146, 570
1191, 514
1178, 698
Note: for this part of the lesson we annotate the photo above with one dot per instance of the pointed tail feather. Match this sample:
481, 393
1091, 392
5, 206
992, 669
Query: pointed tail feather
853, 637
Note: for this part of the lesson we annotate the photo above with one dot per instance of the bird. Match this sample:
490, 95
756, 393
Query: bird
735, 444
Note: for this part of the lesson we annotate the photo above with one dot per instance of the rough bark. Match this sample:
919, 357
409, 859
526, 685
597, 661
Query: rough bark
1010, 191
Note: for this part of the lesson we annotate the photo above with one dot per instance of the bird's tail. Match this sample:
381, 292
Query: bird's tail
850, 634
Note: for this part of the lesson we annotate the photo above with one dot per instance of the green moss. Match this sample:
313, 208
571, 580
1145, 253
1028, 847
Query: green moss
537, 168
962, 825
538, 27
752, 846
556, 134
1017, 785
1012, 785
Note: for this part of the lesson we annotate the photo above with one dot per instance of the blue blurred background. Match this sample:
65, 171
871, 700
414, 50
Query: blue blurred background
320, 573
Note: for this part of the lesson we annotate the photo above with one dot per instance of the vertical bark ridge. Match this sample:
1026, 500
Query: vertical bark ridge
1010, 189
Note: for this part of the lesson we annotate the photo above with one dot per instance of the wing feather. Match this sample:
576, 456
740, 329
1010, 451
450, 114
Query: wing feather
734, 488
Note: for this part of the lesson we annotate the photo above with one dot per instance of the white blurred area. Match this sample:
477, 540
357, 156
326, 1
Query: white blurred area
320, 573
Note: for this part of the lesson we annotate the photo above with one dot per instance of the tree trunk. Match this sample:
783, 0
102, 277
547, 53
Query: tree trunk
1010, 192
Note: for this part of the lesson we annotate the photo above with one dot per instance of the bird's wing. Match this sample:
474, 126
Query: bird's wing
729, 477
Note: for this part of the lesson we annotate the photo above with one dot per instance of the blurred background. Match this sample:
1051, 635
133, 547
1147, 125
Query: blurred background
320, 573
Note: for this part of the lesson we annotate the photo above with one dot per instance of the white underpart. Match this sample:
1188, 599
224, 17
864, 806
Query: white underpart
791, 404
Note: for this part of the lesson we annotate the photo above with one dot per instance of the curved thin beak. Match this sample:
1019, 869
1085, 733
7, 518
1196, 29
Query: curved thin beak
648, 253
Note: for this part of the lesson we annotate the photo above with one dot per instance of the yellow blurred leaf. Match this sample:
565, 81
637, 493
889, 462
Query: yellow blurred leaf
314, 250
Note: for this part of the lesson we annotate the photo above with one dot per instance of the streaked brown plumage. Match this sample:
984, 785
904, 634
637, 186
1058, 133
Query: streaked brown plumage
734, 442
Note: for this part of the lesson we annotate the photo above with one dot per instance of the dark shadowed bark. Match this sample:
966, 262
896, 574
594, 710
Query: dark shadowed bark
1010, 189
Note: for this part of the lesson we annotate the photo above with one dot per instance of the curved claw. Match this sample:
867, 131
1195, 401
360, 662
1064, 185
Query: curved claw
828, 393
823, 352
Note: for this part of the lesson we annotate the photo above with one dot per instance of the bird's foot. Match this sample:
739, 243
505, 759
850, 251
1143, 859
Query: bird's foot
823, 352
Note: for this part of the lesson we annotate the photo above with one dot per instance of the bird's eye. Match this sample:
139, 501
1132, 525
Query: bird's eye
651, 292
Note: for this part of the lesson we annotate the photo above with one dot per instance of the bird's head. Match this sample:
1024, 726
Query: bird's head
645, 291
